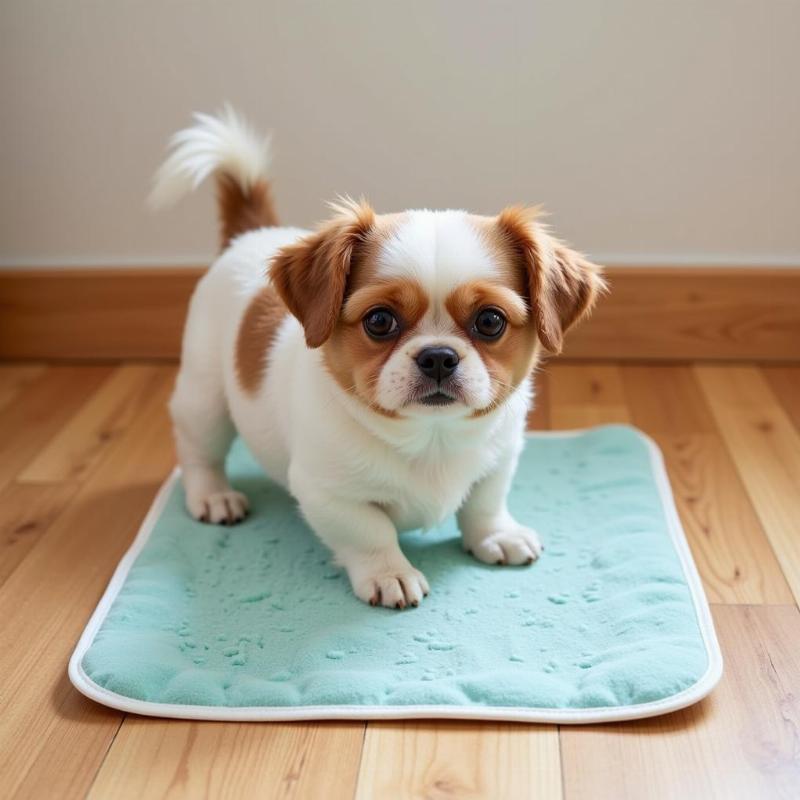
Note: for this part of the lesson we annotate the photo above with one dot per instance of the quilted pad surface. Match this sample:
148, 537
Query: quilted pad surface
612, 617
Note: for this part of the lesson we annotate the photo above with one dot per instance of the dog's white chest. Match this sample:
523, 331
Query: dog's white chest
424, 494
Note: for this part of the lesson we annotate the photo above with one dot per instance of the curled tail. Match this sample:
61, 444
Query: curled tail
224, 146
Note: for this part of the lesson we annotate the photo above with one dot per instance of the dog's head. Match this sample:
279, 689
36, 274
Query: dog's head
433, 312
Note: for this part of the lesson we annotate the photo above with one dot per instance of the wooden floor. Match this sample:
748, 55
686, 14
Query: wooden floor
83, 450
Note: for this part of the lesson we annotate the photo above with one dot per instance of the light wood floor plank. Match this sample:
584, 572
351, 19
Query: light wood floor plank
465, 760
765, 447
785, 385
79, 445
582, 395
731, 550
14, 377
46, 601
175, 759
666, 399
26, 512
740, 742
75, 747
39, 410
44, 488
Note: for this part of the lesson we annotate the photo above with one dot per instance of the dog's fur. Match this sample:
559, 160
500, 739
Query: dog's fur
276, 348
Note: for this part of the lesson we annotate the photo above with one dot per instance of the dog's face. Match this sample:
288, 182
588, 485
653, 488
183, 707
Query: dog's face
433, 313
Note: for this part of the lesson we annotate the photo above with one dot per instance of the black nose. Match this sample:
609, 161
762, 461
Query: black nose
437, 362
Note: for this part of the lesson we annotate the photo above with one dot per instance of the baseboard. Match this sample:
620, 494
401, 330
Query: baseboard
713, 313
94, 314
668, 313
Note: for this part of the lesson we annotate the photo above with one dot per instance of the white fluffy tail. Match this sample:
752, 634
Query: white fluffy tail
224, 145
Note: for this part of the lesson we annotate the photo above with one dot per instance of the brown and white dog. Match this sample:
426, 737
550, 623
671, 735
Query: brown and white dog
379, 367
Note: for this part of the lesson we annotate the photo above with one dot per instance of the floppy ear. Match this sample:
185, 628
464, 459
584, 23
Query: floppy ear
311, 275
562, 284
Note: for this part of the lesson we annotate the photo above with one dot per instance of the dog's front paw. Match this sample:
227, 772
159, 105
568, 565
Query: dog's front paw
508, 544
220, 508
394, 583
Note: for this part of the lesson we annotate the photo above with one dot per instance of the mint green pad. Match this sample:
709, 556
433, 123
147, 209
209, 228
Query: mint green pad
256, 622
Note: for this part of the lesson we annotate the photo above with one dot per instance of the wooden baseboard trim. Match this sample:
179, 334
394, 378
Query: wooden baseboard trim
677, 313
661, 313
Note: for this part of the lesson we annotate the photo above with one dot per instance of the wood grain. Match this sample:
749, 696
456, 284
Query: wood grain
732, 553
38, 412
666, 400
65, 763
94, 313
582, 395
175, 759
765, 447
694, 313
14, 378
82, 442
785, 385
740, 742
48, 734
651, 313
26, 512
451, 759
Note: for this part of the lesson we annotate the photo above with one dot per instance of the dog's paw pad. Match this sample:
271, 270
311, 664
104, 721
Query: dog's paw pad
398, 589
219, 508
515, 546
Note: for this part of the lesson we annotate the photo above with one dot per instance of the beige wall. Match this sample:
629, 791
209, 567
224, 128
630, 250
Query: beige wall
653, 131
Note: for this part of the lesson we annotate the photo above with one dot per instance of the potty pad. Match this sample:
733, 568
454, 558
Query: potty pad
256, 622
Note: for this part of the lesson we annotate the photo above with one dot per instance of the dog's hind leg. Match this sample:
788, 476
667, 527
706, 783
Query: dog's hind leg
226, 147
201, 421
203, 436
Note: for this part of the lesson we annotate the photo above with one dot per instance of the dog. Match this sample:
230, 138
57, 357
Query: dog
379, 367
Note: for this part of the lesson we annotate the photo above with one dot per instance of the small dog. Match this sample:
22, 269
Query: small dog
379, 367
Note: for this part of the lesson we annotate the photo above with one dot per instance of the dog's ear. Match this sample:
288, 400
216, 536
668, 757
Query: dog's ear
562, 284
311, 275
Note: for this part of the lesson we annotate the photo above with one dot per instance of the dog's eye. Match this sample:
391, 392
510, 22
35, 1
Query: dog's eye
489, 324
380, 323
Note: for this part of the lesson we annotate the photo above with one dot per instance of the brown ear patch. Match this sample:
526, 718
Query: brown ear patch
311, 275
257, 330
562, 284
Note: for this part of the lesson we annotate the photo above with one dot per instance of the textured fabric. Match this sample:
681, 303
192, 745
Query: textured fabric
257, 615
